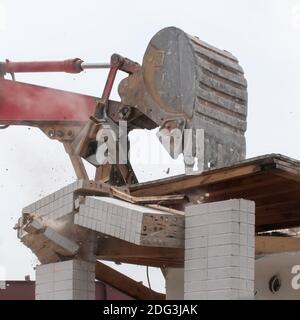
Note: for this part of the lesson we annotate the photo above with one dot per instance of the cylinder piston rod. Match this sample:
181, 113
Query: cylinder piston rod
70, 66
94, 65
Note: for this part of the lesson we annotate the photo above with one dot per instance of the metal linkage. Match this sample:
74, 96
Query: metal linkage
75, 65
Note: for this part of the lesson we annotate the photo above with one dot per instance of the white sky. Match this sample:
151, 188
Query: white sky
264, 35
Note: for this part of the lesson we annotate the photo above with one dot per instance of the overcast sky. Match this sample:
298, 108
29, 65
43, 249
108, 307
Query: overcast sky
263, 34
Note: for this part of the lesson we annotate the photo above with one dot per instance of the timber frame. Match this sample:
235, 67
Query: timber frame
271, 181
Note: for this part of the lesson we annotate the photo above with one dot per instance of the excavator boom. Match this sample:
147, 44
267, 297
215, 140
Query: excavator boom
182, 84
27, 104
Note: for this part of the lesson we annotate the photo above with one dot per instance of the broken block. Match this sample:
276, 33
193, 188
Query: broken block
137, 224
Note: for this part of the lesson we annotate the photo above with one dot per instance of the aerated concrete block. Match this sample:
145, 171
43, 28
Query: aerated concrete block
57, 204
68, 245
133, 223
68, 280
219, 250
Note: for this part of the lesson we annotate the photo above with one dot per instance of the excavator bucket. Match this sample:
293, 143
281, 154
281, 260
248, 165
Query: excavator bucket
185, 83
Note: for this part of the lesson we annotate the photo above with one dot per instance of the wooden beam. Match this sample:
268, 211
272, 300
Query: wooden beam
277, 221
95, 188
292, 223
266, 163
280, 206
125, 284
277, 226
256, 192
166, 209
284, 195
278, 212
122, 251
160, 262
246, 185
271, 192
290, 170
117, 192
117, 248
271, 244
182, 183
245, 182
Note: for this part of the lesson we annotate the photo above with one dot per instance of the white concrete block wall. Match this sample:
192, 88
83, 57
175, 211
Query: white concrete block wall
219, 250
67, 280
113, 217
68, 245
117, 218
55, 205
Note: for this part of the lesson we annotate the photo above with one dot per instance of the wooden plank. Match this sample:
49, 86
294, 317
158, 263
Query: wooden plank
254, 195
279, 196
279, 205
278, 219
279, 208
268, 180
183, 182
121, 251
94, 188
282, 224
246, 185
288, 173
272, 189
125, 284
166, 209
113, 249
245, 182
151, 262
285, 162
164, 187
271, 244
117, 192
263, 245
288, 168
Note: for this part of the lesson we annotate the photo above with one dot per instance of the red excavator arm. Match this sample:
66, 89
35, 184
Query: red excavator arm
183, 85
59, 114
26, 104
